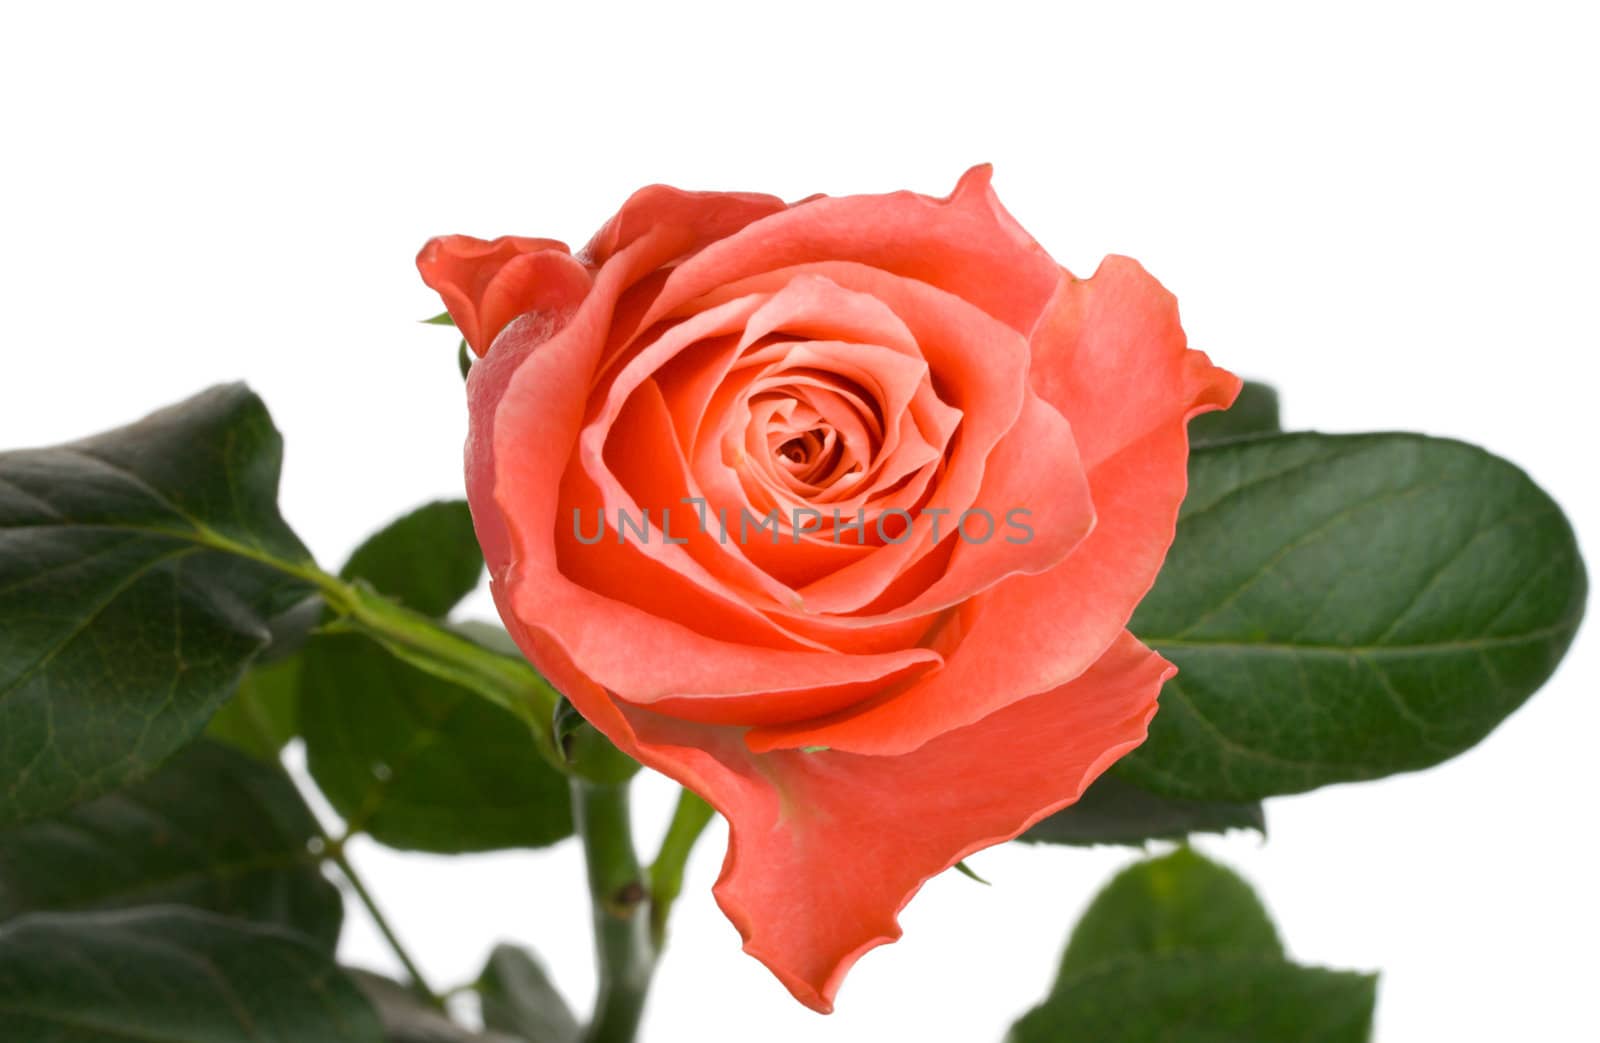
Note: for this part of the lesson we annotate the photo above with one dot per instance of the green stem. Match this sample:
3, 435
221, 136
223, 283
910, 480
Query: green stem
689, 820
624, 951
333, 851
423, 642
336, 854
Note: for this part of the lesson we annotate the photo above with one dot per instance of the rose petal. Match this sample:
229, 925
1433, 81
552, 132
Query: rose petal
892, 822
817, 308
704, 216
486, 284
1109, 353
958, 244
691, 220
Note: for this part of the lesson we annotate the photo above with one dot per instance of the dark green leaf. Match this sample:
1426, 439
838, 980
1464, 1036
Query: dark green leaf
212, 829
140, 573
1115, 811
407, 1018
518, 997
1254, 412
260, 718
172, 975
1347, 607
419, 763
441, 319
427, 560
1179, 950
1179, 903
1204, 998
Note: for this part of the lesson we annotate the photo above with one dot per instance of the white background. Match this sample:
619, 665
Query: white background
1389, 213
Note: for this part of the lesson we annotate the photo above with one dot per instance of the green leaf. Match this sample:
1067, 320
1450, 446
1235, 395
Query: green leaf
260, 718
171, 975
212, 829
1346, 607
1180, 949
416, 761
141, 571
419, 763
518, 997
1115, 811
407, 1018
427, 560
441, 319
1205, 998
1178, 903
1254, 412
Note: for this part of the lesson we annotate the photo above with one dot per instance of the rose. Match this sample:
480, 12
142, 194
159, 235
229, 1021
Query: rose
865, 706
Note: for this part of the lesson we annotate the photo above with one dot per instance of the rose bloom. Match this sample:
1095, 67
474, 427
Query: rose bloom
865, 703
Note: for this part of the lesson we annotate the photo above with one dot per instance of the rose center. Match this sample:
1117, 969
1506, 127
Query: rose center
810, 454
801, 449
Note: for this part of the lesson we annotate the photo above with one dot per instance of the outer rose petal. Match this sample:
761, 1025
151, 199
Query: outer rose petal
487, 284
960, 244
706, 216
1108, 352
896, 821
